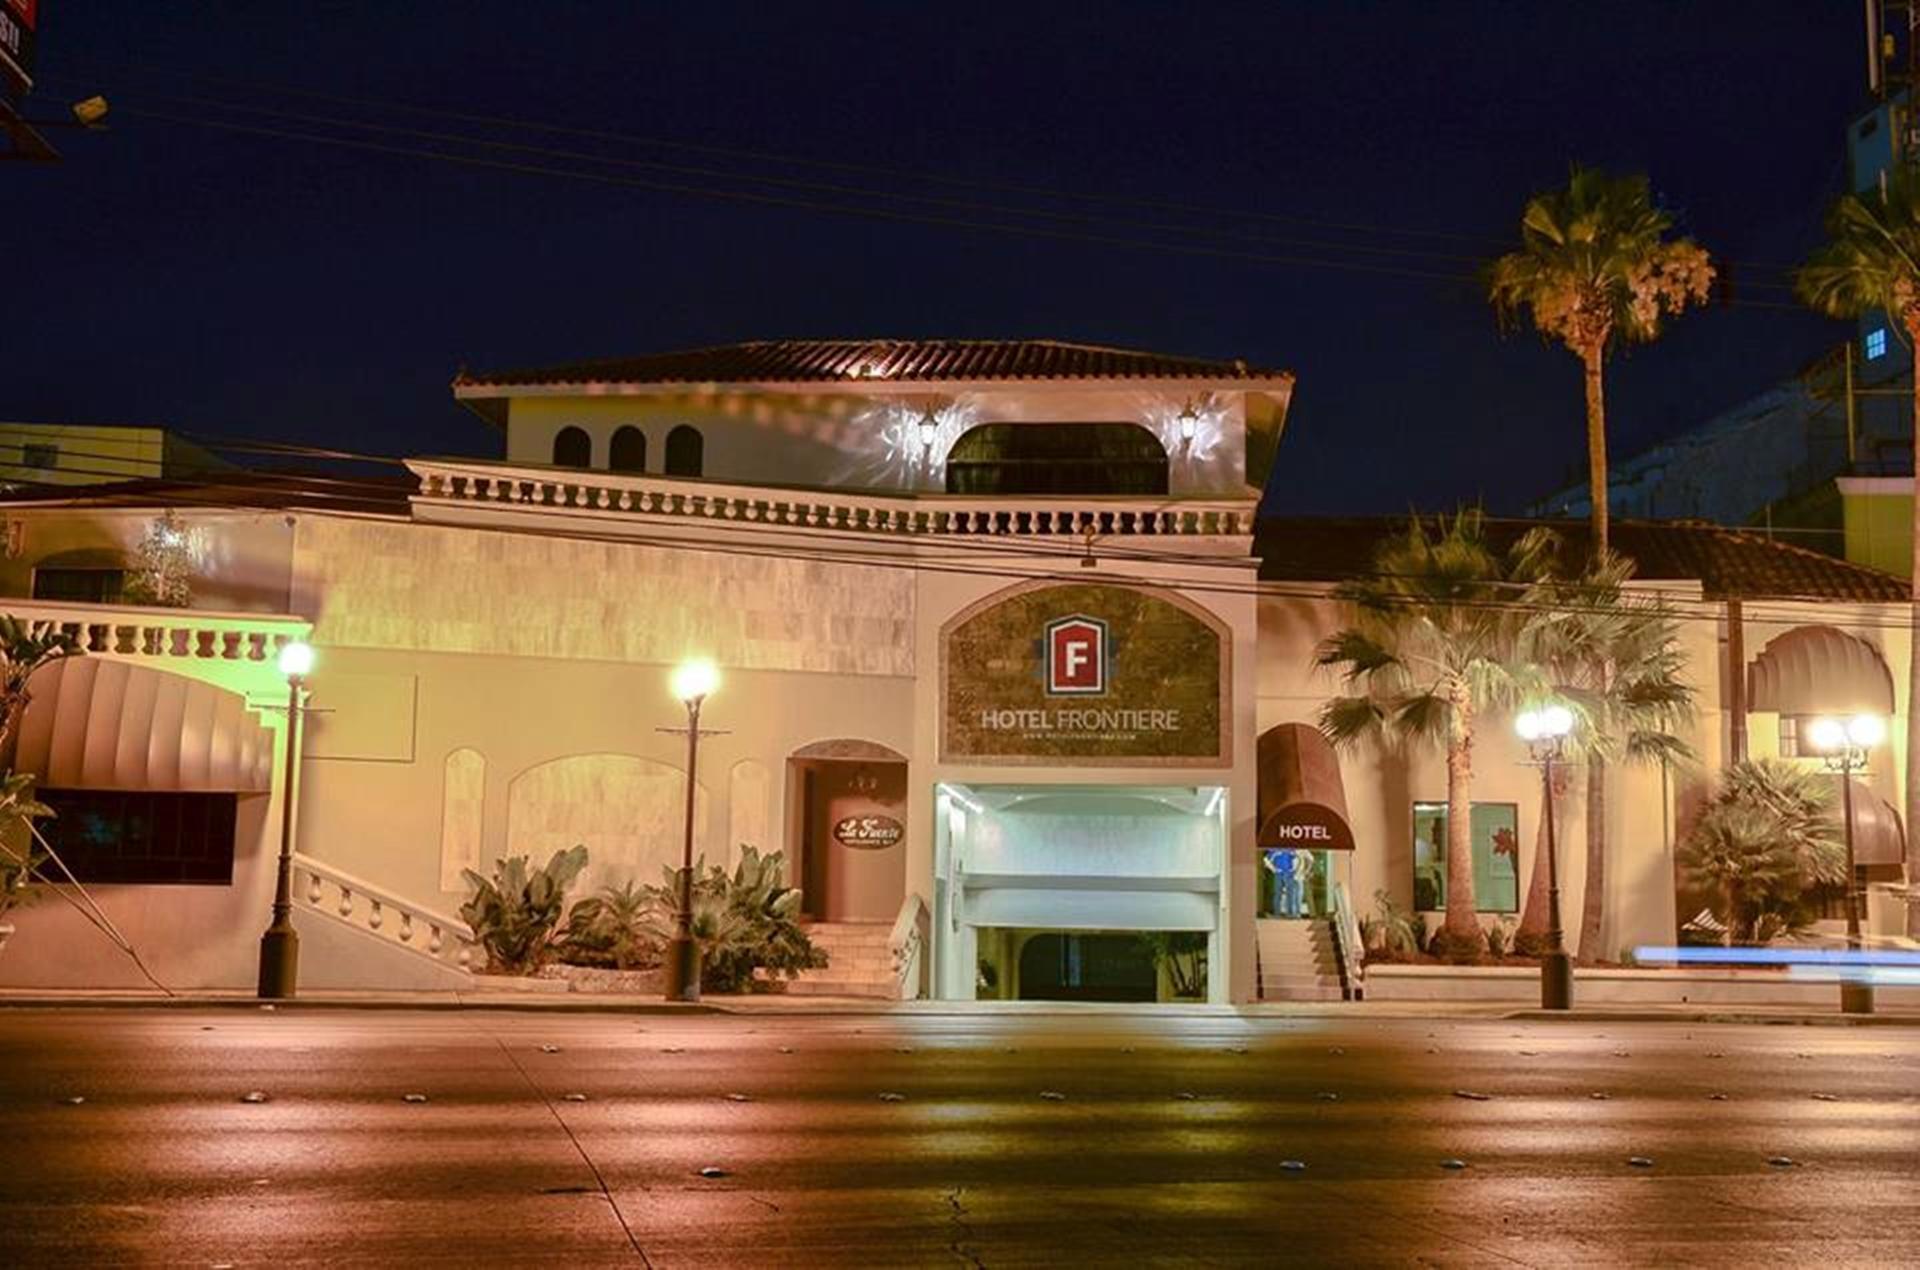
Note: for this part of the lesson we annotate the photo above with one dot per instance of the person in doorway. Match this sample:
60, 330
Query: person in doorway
1286, 874
1303, 866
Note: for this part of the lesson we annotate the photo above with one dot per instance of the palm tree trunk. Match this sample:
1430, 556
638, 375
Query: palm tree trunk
1462, 926
1593, 895
1596, 447
1913, 656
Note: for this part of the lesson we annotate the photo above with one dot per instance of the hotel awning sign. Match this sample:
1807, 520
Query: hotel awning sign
1085, 674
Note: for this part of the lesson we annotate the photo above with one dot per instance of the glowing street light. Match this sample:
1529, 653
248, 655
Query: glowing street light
692, 683
1545, 730
1844, 745
280, 945
929, 429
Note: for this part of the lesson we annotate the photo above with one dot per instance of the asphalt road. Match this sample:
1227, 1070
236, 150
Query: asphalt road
485, 1139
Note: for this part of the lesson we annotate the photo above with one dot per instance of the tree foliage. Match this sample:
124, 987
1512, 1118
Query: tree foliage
1769, 835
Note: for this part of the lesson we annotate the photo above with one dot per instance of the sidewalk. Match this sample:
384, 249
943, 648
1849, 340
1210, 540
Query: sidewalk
777, 1004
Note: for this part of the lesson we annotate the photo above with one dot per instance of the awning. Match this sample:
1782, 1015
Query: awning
1302, 802
96, 723
1819, 670
1877, 835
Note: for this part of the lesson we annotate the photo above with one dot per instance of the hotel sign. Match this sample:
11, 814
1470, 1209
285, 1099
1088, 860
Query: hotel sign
1085, 674
18, 20
868, 833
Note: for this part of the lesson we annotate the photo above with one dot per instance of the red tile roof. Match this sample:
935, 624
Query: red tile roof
897, 361
1728, 563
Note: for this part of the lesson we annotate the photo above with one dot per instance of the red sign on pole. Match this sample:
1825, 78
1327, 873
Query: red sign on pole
1076, 657
19, 19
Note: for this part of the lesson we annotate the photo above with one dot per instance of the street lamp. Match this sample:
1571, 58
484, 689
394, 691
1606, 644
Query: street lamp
693, 682
280, 945
1545, 731
1844, 745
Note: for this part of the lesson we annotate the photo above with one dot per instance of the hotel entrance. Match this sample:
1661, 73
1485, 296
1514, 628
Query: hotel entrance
1079, 893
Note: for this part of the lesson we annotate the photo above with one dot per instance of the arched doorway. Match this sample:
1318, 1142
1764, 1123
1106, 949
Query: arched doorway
847, 810
1057, 458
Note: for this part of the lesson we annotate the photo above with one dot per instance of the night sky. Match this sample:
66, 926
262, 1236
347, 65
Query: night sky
232, 283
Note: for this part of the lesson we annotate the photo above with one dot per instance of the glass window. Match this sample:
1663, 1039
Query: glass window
1496, 857
142, 836
572, 447
1057, 458
1876, 342
79, 586
41, 456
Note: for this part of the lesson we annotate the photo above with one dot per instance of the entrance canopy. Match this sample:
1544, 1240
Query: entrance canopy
1819, 670
1877, 836
1302, 802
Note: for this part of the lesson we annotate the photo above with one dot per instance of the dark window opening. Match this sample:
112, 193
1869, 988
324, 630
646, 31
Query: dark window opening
686, 451
1057, 458
1087, 967
41, 455
628, 452
79, 586
572, 447
142, 836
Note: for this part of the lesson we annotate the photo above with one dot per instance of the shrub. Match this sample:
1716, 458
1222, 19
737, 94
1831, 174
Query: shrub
743, 921
1183, 955
1394, 930
514, 913
1769, 836
1499, 939
611, 929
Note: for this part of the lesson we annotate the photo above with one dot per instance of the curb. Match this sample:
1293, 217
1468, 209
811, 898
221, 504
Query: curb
1750, 1017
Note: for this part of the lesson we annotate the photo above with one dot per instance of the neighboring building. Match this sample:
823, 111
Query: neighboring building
1009, 676
36, 454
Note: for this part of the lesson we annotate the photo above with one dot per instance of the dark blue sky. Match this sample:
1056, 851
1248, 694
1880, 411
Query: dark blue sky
231, 283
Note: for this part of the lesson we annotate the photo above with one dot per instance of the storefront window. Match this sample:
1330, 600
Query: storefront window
1496, 857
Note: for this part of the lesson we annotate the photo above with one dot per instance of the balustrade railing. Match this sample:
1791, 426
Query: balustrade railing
399, 922
883, 514
907, 942
125, 631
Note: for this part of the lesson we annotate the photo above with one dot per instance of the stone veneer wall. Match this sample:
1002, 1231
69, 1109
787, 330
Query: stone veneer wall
370, 584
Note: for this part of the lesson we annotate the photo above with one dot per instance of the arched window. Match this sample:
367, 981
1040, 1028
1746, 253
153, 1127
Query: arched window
629, 450
1057, 458
686, 450
572, 447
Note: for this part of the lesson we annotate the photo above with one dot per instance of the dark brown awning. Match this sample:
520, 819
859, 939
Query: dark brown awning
1302, 802
1877, 835
1819, 670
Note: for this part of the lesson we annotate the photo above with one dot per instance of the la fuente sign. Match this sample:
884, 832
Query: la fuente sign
1091, 674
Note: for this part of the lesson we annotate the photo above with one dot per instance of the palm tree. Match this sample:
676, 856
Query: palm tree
1616, 659
1435, 641
24, 650
1769, 835
1595, 269
1871, 263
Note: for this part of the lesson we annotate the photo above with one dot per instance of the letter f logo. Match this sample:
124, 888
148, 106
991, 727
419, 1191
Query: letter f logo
1076, 652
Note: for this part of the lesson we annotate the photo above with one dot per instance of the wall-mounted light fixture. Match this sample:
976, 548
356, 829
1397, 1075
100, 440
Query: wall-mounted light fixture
1189, 421
929, 428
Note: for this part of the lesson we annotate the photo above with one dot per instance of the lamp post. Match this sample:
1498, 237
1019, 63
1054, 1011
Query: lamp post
693, 682
1844, 745
280, 945
1545, 732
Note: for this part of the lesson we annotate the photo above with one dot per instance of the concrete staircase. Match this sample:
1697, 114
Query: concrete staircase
1297, 960
858, 962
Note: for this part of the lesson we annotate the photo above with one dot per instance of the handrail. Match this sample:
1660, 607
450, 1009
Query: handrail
884, 513
907, 942
1349, 943
448, 940
125, 630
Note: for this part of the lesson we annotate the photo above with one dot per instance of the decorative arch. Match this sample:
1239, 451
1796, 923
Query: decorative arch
572, 447
628, 811
628, 450
463, 789
849, 750
1057, 458
686, 451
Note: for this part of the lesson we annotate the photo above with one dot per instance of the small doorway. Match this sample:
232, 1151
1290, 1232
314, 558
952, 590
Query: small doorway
1295, 883
847, 818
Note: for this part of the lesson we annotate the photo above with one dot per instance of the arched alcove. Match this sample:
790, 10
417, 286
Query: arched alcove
462, 797
627, 810
686, 451
628, 450
572, 447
